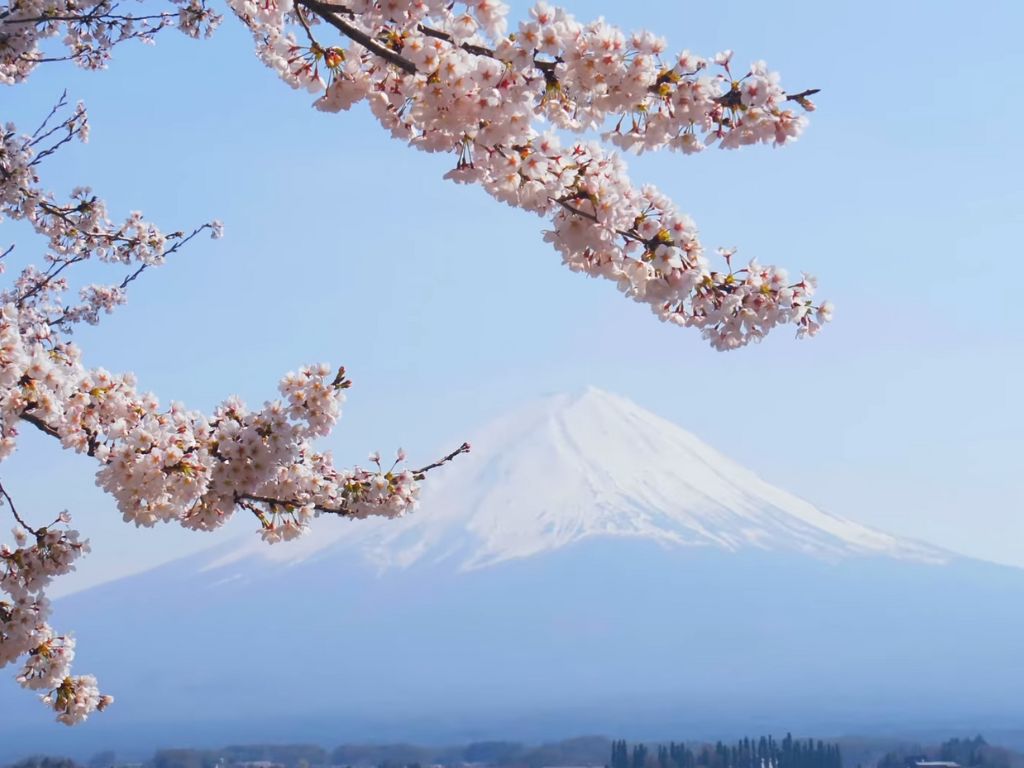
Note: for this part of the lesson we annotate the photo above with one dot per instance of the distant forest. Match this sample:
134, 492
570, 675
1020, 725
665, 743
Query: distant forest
969, 753
588, 752
764, 752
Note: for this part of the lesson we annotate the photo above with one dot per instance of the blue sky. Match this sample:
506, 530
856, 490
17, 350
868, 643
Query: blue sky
904, 197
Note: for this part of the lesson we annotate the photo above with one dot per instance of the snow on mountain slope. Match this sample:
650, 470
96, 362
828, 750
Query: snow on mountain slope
593, 464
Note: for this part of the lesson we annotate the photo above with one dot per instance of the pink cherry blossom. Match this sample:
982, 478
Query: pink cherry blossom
538, 114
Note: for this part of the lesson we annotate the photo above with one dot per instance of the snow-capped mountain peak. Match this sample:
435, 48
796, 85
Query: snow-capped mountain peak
592, 464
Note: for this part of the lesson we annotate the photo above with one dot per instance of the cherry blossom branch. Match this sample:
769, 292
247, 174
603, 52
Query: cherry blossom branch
92, 17
345, 509
39, 424
90, 440
593, 217
445, 80
25, 572
457, 81
87, 31
160, 464
803, 95
57, 107
328, 13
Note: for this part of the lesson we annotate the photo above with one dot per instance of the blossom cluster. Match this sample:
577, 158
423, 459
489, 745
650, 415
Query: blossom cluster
162, 464
84, 31
459, 78
25, 571
452, 77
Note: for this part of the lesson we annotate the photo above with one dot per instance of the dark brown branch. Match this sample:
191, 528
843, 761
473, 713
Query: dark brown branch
305, 26
329, 14
799, 97
14, 511
593, 217
321, 8
39, 424
45, 428
420, 473
476, 50
241, 500
328, 11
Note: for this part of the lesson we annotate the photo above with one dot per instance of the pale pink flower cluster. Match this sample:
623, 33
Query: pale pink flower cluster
451, 78
161, 464
84, 31
25, 571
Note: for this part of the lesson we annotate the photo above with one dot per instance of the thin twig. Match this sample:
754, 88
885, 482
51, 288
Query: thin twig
61, 103
802, 95
92, 18
178, 244
422, 471
305, 25
73, 129
245, 500
14, 511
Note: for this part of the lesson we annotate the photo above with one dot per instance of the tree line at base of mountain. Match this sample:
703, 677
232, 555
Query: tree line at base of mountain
591, 752
968, 753
764, 752
585, 751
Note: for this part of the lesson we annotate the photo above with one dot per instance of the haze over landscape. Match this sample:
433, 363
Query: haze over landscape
818, 539
593, 568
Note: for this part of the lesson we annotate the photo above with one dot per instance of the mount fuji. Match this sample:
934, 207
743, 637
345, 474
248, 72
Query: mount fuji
589, 567
591, 465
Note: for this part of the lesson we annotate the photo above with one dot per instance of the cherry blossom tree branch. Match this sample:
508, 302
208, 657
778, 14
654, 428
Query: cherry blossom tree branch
446, 80
329, 13
422, 471
345, 509
88, 31
39, 424
160, 464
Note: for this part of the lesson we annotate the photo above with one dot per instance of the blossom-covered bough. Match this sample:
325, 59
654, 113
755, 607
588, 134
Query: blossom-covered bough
532, 114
